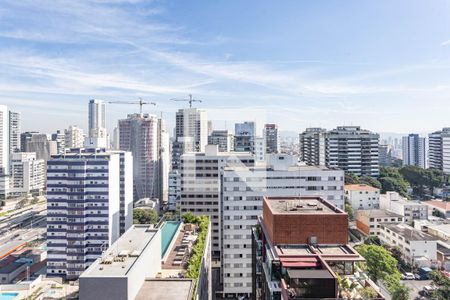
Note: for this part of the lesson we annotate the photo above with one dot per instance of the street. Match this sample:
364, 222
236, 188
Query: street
416, 286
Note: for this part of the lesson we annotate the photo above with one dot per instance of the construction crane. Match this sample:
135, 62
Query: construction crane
190, 100
140, 102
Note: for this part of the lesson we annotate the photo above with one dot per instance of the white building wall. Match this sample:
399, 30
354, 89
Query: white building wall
367, 199
243, 190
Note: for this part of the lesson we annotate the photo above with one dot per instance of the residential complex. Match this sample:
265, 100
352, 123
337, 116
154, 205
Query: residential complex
368, 221
201, 185
306, 263
145, 137
410, 210
272, 138
223, 138
97, 134
60, 138
244, 136
313, 147
439, 150
243, 188
417, 247
74, 137
414, 151
41, 145
86, 191
349, 148
362, 196
14, 132
27, 174
354, 150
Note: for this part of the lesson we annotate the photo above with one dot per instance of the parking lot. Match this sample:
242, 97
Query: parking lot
416, 286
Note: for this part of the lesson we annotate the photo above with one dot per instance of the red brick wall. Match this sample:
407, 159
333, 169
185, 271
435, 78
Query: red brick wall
362, 226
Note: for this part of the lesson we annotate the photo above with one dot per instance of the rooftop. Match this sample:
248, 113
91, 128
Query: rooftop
160, 289
300, 205
378, 213
120, 257
444, 228
360, 187
439, 204
408, 232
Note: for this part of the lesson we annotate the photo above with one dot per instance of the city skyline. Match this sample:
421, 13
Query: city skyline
345, 63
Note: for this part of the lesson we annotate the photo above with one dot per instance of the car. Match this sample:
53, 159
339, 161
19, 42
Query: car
417, 276
408, 276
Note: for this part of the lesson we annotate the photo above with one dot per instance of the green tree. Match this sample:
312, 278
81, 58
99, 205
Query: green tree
351, 178
401, 292
442, 283
189, 218
368, 293
370, 181
145, 216
381, 265
349, 210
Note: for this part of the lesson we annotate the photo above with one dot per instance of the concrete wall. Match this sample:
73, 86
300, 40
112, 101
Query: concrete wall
107, 288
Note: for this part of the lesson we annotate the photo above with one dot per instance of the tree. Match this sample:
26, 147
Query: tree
394, 184
381, 265
370, 181
368, 293
189, 218
145, 216
349, 210
351, 178
442, 283
401, 292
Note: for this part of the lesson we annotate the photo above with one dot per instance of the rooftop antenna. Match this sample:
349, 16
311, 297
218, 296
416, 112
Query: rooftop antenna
190, 100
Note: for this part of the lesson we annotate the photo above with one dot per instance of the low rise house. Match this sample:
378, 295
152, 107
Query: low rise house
362, 196
438, 207
368, 221
417, 247
410, 210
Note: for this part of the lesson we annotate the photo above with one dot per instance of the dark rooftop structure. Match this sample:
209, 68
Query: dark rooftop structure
408, 232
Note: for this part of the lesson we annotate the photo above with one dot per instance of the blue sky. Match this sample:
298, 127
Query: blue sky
384, 65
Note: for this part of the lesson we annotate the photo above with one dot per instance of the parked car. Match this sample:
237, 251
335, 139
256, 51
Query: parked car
408, 276
424, 273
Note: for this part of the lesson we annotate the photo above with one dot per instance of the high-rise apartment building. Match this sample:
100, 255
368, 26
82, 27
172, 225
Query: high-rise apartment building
74, 137
4, 140
243, 189
86, 190
97, 134
60, 138
14, 131
244, 136
201, 185
272, 137
191, 133
385, 155
41, 145
27, 174
313, 146
439, 150
24, 138
146, 138
223, 138
414, 151
354, 150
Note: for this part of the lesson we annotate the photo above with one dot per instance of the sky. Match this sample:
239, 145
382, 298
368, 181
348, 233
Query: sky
383, 65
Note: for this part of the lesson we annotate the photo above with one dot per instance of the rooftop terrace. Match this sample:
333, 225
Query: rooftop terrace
120, 257
300, 205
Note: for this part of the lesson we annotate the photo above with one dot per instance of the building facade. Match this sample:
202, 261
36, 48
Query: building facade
201, 185
27, 174
97, 134
368, 221
414, 151
272, 138
362, 196
243, 189
223, 138
84, 200
74, 137
354, 150
410, 210
141, 134
244, 136
60, 138
14, 132
313, 147
41, 145
4, 140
